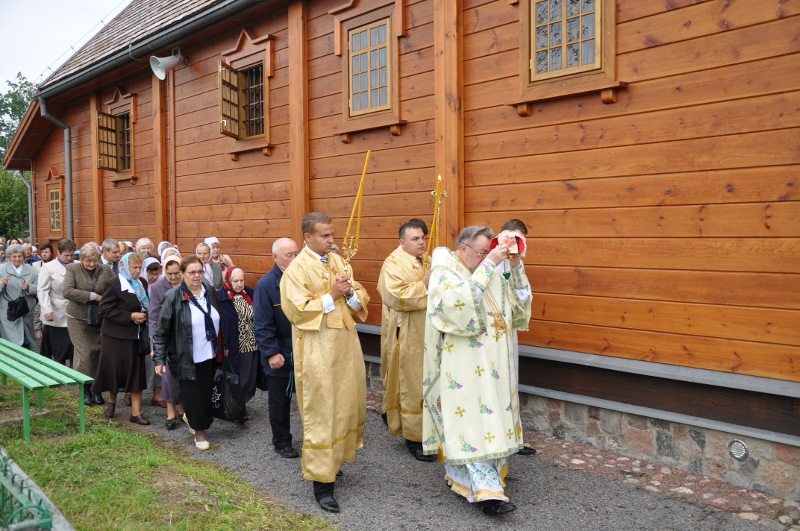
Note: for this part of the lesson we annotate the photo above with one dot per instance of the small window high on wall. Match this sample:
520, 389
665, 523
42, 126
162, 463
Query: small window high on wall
566, 37
568, 47
54, 200
369, 59
114, 141
242, 108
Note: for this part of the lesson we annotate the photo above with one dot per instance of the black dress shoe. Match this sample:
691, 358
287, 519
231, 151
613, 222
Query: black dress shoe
416, 450
97, 399
339, 474
527, 450
497, 507
87, 399
287, 452
172, 423
328, 503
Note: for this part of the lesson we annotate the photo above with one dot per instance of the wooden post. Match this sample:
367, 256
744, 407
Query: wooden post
298, 118
170, 156
448, 83
98, 229
160, 188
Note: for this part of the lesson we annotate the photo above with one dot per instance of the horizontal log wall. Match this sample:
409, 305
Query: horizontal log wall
666, 226
401, 169
244, 202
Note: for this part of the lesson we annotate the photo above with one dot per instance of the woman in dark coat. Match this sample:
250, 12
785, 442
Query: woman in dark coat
238, 335
123, 309
187, 338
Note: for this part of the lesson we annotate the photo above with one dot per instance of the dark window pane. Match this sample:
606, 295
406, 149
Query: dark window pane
555, 59
573, 55
555, 10
541, 37
541, 62
555, 34
573, 33
573, 7
541, 12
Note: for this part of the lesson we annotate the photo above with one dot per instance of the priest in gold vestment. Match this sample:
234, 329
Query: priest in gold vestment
320, 299
403, 286
471, 405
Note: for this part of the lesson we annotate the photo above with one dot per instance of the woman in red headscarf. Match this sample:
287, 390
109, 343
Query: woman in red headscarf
238, 333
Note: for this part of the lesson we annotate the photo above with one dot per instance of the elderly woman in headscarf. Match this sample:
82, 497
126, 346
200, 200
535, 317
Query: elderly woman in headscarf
83, 283
238, 333
17, 280
223, 260
151, 268
124, 311
170, 390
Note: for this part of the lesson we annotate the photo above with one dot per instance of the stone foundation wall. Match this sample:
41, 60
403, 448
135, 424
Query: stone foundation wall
771, 467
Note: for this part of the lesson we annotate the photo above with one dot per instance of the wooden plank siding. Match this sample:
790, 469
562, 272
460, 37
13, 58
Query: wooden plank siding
666, 226
663, 227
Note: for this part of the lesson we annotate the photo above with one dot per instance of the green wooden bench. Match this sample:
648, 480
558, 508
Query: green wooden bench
35, 373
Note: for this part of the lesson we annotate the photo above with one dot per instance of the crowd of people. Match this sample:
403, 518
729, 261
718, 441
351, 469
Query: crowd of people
136, 317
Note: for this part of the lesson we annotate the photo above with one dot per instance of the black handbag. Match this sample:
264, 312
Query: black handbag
144, 340
93, 318
227, 398
17, 308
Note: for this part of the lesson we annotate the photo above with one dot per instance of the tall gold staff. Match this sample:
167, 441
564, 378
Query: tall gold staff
350, 242
433, 235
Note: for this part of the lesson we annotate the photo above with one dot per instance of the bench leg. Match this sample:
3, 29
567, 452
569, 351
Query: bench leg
26, 414
81, 410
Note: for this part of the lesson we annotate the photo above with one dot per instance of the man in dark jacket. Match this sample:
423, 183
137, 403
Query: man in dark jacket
274, 339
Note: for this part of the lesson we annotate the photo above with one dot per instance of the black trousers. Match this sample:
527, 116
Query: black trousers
196, 395
279, 410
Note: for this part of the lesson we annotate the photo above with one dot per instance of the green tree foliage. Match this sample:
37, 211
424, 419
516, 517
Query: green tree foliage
13, 205
13, 104
13, 193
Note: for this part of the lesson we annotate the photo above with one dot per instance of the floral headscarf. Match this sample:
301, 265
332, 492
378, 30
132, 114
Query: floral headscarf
136, 286
227, 286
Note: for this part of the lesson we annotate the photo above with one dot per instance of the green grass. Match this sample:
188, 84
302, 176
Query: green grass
113, 478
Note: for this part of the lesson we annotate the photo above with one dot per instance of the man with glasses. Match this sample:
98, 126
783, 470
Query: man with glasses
471, 407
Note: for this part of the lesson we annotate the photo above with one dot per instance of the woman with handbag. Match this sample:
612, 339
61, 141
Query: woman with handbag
238, 334
187, 337
18, 283
83, 282
55, 337
124, 340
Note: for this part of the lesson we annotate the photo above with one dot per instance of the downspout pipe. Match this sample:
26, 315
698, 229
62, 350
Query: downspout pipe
31, 216
67, 163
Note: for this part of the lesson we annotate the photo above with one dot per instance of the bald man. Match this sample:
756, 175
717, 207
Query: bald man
274, 339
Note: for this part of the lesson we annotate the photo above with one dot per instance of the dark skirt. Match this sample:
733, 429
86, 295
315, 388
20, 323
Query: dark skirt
170, 389
56, 344
196, 395
120, 366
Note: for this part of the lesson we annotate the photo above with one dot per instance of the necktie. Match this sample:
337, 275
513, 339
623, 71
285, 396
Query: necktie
419, 259
324, 259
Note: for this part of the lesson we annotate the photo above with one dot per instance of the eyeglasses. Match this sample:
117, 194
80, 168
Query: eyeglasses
481, 254
195, 273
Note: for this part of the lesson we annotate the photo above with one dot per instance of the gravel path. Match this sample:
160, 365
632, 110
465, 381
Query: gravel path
385, 488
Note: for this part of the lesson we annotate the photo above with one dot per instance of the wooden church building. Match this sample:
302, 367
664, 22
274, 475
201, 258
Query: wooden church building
652, 148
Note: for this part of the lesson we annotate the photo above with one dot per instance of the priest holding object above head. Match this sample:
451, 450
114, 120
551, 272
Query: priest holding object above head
471, 408
321, 299
403, 285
